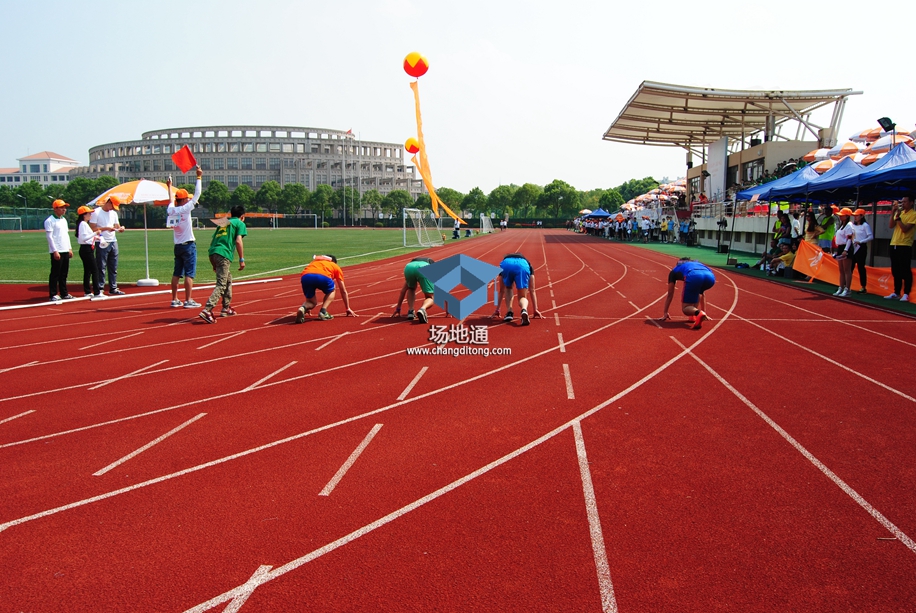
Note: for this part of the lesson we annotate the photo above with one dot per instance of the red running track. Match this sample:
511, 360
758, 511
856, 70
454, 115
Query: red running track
153, 462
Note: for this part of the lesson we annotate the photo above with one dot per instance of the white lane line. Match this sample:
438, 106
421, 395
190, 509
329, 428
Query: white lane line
330, 341
20, 366
412, 383
350, 461
570, 394
110, 340
16, 416
554, 302
128, 375
247, 589
560, 340
363, 323
605, 586
634, 305
551, 293
225, 338
897, 532
556, 317
654, 322
621, 294
273, 374
147, 446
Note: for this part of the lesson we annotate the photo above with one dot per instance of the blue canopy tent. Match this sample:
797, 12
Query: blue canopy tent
889, 182
899, 155
846, 168
599, 214
763, 191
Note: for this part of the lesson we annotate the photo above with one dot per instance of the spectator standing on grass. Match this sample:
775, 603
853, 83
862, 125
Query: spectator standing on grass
903, 223
861, 236
697, 278
58, 235
322, 273
105, 219
843, 240
517, 272
226, 239
86, 238
413, 278
185, 249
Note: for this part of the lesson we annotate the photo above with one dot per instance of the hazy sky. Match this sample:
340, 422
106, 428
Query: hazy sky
517, 91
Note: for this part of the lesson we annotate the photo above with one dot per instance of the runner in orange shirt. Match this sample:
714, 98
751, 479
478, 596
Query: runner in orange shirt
322, 273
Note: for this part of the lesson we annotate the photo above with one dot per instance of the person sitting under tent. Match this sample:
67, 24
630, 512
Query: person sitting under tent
697, 279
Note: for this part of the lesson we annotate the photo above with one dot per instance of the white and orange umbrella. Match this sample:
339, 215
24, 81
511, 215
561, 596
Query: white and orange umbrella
870, 158
823, 166
867, 136
843, 149
816, 155
886, 143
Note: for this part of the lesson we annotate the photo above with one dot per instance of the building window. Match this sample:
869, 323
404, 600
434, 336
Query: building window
248, 147
262, 147
260, 163
221, 147
205, 163
157, 165
233, 181
259, 180
234, 147
208, 148
35, 168
275, 163
246, 164
246, 180
219, 163
146, 166
168, 166
287, 147
232, 163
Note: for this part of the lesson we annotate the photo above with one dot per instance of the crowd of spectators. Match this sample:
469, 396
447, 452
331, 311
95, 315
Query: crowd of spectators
667, 229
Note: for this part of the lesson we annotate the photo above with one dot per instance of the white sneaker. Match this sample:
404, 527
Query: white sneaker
891, 296
191, 304
905, 298
176, 304
845, 293
838, 291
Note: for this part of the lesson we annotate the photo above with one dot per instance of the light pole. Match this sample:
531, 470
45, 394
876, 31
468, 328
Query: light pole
26, 208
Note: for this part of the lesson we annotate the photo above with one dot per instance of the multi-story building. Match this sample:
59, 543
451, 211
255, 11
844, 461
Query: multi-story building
46, 167
253, 155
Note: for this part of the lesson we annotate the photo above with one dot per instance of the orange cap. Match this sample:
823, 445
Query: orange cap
846, 211
59, 204
115, 201
83, 209
859, 212
834, 207
181, 193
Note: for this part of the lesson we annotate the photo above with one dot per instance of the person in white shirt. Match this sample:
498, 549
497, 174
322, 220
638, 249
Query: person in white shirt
105, 220
179, 220
59, 247
86, 238
843, 252
861, 236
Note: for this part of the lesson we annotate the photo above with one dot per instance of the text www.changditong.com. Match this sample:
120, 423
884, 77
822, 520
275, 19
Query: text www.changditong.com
459, 351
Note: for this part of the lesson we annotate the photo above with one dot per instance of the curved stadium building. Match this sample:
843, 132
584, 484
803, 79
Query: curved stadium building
253, 155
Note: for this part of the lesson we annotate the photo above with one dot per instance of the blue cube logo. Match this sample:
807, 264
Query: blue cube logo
460, 269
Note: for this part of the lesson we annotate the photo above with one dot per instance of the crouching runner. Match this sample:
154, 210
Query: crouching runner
323, 274
697, 279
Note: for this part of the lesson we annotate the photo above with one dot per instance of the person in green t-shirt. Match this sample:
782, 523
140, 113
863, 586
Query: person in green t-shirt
226, 239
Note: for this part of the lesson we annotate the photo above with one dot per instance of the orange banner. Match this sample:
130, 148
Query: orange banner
812, 261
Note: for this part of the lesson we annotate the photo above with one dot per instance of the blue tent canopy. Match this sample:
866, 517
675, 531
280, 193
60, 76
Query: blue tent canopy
763, 192
901, 154
846, 168
599, 214
890, 179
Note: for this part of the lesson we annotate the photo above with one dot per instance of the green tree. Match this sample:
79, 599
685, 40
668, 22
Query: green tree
105, 183
373, 201
611, 200
475, 202
53, 192
216, 197
8, 196
423, 201
34, 193
320, 201
525, 198
293, 198
396, 200
635, 187
268, 196
559, 199
451, 197
79, 191
500, 199
242, 195
346, 199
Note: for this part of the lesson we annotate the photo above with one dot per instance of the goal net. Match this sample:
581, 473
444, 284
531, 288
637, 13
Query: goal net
486, 225
420, 229
11, 224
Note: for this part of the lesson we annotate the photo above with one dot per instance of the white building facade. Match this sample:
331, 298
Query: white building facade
46, 167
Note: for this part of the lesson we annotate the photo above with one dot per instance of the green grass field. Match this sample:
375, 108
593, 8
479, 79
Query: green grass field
24, 255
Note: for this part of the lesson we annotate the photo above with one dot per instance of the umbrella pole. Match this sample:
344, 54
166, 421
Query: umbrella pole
147, 282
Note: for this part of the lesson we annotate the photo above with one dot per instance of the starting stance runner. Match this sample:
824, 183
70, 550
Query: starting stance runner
322, 273
412, 278
517, 271
697, 279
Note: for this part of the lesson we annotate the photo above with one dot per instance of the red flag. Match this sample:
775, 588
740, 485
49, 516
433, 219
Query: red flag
184, 159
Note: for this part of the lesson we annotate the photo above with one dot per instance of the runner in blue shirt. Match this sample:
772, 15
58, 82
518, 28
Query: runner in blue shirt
697, 279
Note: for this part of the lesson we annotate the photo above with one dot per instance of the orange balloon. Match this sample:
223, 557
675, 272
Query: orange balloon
416, 64
412, 145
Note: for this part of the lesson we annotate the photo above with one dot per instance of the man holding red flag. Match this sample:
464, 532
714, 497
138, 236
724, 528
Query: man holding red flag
185, 250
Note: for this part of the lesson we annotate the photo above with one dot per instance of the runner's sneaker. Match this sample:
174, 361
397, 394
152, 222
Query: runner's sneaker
191, 304
410, 314
300, 315
176, 304
324, 315
207, 316
525, 320
228, 312
509, 316
421, 315
698, 321
115, 292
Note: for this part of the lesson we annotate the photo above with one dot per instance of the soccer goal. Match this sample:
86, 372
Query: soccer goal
486, 225
421, 229
11, 224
